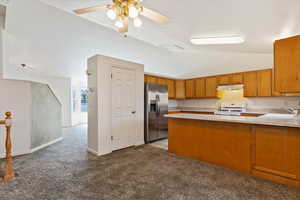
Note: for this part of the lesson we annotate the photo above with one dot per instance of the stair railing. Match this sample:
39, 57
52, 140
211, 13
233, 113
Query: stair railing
9, 172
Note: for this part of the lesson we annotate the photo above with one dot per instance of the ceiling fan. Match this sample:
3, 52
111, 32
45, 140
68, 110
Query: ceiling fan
122, 10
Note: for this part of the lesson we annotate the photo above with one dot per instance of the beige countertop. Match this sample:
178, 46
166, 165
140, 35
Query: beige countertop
267, 119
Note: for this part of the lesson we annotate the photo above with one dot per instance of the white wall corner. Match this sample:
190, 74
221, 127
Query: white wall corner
93, 152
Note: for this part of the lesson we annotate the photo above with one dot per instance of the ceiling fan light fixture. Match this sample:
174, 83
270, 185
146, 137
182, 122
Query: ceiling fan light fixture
133, 11
111, 14
218, 40
137, 22
123, 11
119, 23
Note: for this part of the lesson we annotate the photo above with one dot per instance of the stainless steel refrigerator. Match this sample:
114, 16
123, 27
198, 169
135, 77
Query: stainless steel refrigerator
156, 106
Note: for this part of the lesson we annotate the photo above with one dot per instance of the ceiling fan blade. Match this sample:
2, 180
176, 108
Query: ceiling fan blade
90, 9
154, 16
125, 28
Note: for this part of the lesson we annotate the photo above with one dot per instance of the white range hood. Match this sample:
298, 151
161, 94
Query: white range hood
230, 87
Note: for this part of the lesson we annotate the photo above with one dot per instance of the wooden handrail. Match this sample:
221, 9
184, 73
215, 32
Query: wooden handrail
9, 172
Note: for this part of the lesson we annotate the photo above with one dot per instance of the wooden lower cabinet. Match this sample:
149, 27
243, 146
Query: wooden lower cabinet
277, 151
269, 152
226, 146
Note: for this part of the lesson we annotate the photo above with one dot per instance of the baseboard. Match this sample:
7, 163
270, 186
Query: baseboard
46, 145
14, 154
93, 152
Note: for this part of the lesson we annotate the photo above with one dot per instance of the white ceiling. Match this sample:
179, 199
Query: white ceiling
259, 21
58, 43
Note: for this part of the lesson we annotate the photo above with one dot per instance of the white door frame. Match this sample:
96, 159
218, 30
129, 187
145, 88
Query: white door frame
103, 135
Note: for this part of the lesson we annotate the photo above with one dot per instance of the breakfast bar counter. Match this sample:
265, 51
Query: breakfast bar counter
266, 146
287, 120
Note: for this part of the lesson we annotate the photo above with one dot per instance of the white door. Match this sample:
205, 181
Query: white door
124, 119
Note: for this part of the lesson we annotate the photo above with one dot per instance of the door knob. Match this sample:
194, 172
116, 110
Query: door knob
133, 112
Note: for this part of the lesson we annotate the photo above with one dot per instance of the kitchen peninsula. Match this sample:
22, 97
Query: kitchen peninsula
266, 146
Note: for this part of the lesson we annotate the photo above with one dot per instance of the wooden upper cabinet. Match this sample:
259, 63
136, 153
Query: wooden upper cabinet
151, 79
180, 89
287, 65
230, 79
162, 81
171, 88
250, 83
190, 88
224, 80
211, 87
237, 78
264, 83
200, 88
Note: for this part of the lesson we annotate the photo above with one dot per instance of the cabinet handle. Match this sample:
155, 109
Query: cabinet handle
133, 112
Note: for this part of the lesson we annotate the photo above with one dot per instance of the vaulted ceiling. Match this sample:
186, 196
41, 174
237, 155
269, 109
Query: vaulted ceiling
48, 36
259, 21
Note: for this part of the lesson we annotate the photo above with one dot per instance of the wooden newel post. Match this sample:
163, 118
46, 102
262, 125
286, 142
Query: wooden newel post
9, 173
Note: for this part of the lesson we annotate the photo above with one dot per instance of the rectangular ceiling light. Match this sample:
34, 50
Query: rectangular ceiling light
218, 40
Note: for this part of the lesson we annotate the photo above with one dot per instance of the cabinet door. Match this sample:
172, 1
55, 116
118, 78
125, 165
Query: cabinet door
237, 78
250, 82
211, 87
171, 89
152, 79
200, 88
146, 78
224, 80
180, 89
190, 88
162, 81
287, 62
264, 81
277, 151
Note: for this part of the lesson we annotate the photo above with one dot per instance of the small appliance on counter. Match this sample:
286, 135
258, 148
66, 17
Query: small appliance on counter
156, 106
234, 109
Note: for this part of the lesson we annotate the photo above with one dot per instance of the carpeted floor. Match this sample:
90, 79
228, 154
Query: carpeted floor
65, 171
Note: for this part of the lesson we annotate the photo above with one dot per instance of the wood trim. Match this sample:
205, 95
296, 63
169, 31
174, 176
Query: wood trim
275, 172
278, 179
251, 114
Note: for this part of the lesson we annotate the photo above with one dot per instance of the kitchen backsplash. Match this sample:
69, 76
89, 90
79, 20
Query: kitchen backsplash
269, 104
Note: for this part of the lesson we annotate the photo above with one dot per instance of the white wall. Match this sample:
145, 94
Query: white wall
1, 43
76, 102
62, 89
16, 97
100, 103
60, 86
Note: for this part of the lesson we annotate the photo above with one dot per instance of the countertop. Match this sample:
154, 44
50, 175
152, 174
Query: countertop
263, 120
